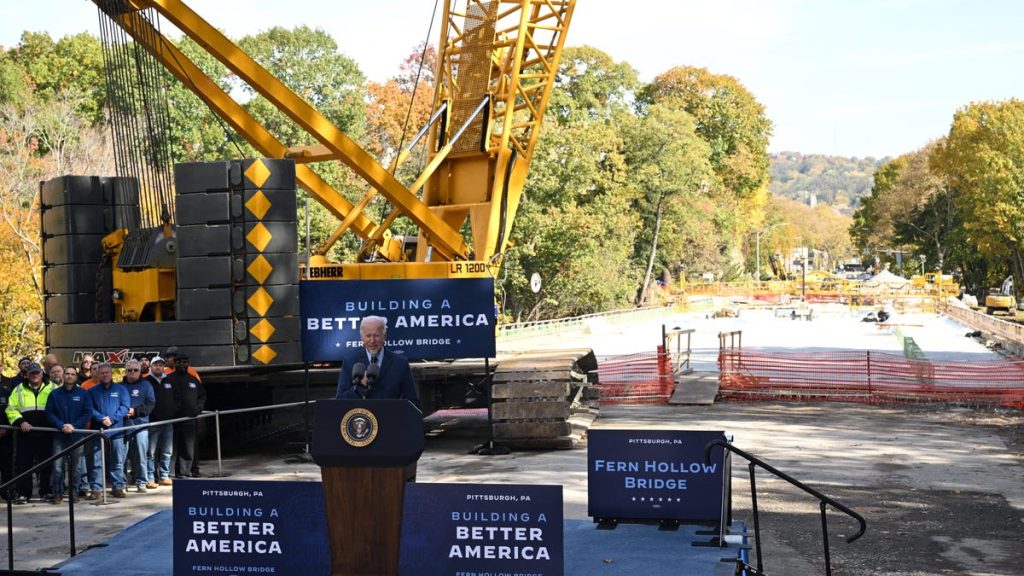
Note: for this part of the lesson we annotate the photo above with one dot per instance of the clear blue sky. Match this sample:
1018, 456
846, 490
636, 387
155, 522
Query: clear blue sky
855, 78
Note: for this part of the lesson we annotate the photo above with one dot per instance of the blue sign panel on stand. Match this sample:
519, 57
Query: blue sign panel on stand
654, 475
457, 529
427, 319
249, 527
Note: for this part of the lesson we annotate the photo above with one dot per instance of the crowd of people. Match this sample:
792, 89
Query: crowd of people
50, 406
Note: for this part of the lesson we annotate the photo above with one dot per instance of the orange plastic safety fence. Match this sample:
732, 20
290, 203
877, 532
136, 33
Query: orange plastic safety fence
874, 377
644, 378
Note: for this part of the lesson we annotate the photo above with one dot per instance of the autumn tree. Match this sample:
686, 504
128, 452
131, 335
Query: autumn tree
982, 159
40, 139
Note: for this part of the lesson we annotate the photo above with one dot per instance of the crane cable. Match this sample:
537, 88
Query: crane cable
415, 88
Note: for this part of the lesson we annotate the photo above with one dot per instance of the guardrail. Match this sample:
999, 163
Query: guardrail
558, 325
998, 327
104, 435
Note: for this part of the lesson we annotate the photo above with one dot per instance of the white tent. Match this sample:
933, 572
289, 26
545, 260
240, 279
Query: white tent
886, 279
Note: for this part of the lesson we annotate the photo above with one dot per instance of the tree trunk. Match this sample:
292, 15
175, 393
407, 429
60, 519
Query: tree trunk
1018, 273
642, 296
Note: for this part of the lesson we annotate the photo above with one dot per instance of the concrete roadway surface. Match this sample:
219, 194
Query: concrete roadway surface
942, 488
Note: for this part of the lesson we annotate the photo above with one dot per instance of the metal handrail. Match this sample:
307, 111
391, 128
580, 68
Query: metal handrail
823, 502
105, 436
89, 435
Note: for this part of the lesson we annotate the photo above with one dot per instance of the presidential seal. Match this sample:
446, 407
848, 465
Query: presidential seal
359, 427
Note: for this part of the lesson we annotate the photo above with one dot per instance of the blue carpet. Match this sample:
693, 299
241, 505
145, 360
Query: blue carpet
144, 549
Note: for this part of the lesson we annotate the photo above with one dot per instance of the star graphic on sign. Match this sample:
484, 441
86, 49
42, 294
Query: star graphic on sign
634, 498
678, 500
337, 344
659, 499
458, 340
641, 499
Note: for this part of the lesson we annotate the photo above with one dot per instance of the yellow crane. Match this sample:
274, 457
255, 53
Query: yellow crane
496, 69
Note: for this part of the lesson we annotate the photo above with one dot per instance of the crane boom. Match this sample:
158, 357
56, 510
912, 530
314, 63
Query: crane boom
496, 71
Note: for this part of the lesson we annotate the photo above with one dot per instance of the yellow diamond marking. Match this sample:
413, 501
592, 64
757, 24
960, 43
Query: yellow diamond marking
263, 330
260, 301
258, 204
264, 354
259, 236
260, 269
257, 173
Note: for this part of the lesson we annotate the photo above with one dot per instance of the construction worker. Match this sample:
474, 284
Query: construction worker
192, 396
26, 409
142, 402
68, 411
161, 438
109, 404
85, 369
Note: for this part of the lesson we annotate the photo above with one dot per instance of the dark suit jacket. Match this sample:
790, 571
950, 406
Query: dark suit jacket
395, 379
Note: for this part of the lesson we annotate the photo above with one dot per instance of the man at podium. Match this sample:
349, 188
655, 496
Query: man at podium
373, 371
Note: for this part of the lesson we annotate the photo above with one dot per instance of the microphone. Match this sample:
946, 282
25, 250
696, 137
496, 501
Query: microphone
372, 371
358, 370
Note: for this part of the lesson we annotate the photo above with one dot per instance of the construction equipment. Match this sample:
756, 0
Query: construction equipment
778, 270
1001, 299
213, 266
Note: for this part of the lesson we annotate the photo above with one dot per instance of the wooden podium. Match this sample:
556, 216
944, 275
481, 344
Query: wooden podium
363, 448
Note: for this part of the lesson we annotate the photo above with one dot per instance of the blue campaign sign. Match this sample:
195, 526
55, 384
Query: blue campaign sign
231, 527
654, 475
427, 319
459, 529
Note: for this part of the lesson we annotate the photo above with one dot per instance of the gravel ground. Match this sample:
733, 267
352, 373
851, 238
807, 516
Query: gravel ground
941, 488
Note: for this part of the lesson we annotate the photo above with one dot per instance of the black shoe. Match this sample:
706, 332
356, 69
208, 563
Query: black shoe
197, 474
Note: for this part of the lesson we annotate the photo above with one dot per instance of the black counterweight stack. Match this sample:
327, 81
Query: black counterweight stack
76, 213
238, 254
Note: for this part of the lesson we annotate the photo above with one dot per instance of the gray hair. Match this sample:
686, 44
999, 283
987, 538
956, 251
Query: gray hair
129, 363
373, 320
103, 365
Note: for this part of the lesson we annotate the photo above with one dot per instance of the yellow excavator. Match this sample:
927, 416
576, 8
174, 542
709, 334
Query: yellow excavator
131, 288
1001, 299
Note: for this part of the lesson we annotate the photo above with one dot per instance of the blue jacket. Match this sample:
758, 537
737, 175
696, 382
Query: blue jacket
142, 399
108, 402
394, 381
68, 407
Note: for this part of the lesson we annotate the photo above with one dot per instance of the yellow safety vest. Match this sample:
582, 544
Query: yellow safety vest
24, 400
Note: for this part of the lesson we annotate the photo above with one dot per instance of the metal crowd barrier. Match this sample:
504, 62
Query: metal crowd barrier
104, 435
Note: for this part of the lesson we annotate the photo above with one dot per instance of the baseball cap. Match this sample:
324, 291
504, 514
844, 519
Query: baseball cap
182, 356
33, 367
171, 351
156, 359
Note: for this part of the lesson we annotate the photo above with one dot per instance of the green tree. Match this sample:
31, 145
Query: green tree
307, 60
72, 66
669, 167
591, 85
728, 118
575, 226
